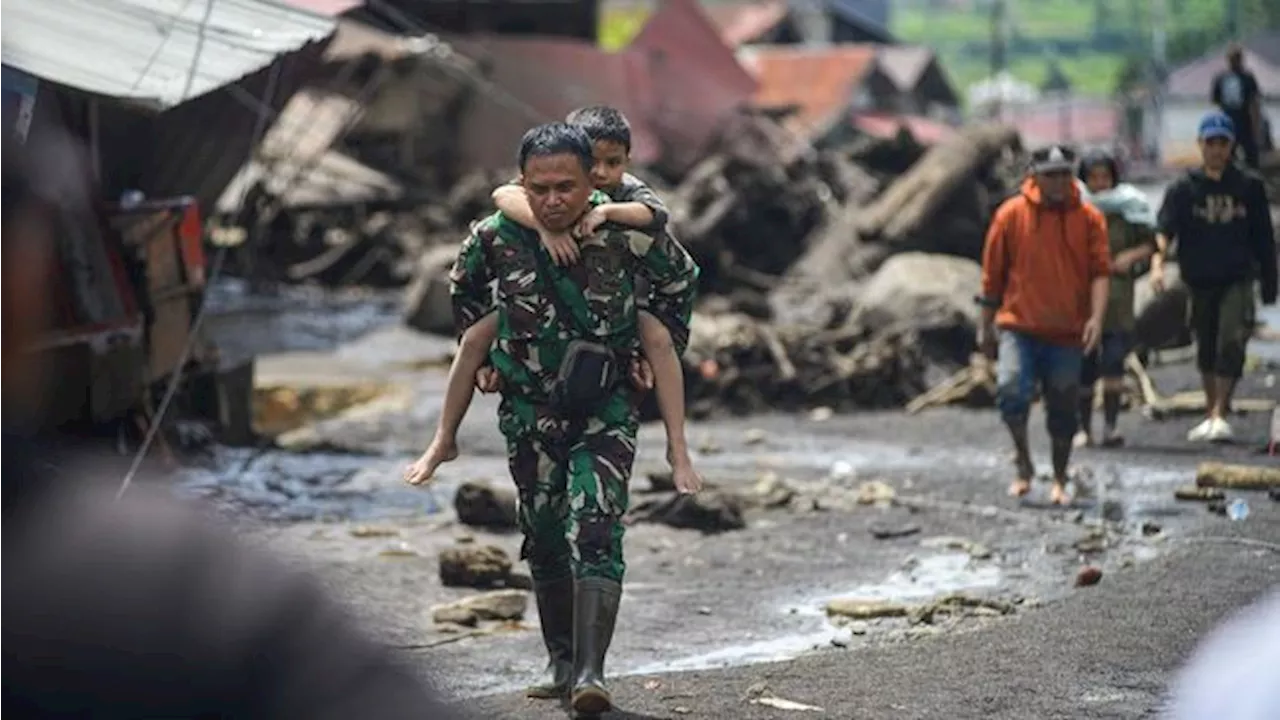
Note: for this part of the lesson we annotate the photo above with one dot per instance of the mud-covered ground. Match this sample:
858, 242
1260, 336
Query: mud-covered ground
693, 600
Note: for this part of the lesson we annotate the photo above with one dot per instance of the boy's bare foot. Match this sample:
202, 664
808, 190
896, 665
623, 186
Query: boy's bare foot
685, 478
1058, 493
424, 469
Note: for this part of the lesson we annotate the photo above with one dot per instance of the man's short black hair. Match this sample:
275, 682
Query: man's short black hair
556, 138
603, 123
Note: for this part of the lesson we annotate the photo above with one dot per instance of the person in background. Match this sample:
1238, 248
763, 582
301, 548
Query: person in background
1046, 269
1131, 234
1219, 216
1236, 93
664, 332
138, 607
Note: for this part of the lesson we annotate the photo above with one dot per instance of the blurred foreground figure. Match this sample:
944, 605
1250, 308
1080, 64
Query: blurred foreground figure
138, 608
1235, 674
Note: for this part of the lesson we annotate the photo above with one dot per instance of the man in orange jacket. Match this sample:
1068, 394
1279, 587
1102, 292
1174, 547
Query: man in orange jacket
1045, 275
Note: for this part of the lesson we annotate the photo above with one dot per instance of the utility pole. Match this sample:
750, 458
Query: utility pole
999, 51
1159, 51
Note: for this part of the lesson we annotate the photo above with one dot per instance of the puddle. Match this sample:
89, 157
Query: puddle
930, 577
783, 648
314, 486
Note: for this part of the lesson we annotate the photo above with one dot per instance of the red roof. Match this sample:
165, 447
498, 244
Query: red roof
740, 23
1080, 122
817, 81
701, 80
542, 80
886, 125
332, 8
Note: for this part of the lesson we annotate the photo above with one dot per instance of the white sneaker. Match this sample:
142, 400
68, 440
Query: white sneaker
1221, 431
1201, 432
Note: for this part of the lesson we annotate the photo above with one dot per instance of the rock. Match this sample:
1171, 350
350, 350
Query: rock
858, 627
1274, 494
496, 605
454, 614
1150, 528
478, 566
1088, 575
398, 550
821, 414
959, 603
858, 609
480, 504
1094, 542
887, 531
772, 491
427, 306
710, 511
875, 492
929, 294
976, 550
754, 436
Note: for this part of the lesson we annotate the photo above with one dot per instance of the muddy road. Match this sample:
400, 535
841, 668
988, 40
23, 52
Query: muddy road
334, 502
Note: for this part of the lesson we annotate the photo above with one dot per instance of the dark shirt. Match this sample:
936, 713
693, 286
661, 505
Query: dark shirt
1235, 92
140, 609
1222, 228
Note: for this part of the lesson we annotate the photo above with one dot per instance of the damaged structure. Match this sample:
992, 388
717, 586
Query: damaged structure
165, 99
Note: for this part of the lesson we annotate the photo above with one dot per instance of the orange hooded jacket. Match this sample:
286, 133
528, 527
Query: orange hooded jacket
1039, 262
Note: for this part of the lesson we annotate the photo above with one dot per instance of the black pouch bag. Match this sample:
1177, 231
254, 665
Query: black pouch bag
589, 372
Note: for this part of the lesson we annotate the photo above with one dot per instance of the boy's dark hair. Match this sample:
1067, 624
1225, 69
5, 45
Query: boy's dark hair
1099, 157
556, 138
602, 123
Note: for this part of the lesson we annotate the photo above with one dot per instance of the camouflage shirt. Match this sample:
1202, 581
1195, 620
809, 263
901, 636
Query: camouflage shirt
499, 267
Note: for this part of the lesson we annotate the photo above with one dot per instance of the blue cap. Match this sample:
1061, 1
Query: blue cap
1216, 125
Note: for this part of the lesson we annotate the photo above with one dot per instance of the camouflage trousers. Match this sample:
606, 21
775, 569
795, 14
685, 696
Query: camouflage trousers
571, 485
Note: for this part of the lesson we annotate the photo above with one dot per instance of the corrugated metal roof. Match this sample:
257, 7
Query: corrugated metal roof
162, 51
330, 8
817, 81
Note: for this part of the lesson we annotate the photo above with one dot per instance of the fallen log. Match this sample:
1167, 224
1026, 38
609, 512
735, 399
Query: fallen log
910, 202
1237, 477
974, 386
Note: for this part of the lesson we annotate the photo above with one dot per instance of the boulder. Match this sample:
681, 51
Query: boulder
478, 566
495, 605
479, 504
426, 301
929, 294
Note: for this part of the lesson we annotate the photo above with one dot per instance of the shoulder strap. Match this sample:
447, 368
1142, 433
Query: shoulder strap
551, 276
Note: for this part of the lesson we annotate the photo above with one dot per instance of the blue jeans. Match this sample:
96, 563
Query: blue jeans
1025, 361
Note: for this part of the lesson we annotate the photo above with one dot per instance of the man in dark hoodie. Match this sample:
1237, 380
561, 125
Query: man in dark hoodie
138, 608
1219, 217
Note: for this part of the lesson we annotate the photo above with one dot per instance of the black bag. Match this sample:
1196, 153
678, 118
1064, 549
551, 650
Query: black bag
589, 371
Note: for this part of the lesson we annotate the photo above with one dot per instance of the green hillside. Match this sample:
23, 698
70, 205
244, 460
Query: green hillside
1091, 40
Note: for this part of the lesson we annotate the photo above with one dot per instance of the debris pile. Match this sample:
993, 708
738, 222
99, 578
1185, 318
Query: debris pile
803, 295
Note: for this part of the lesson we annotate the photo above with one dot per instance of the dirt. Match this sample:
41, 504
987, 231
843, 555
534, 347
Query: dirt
935, 521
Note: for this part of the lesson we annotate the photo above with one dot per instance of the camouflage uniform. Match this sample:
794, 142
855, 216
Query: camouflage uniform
571, 481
